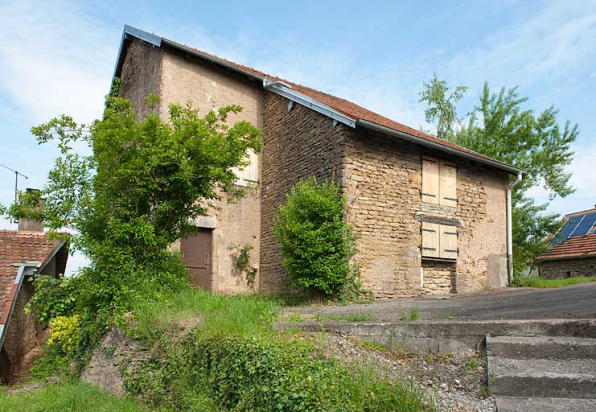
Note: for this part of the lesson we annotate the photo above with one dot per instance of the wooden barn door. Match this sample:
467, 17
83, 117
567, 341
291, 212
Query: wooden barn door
196, 255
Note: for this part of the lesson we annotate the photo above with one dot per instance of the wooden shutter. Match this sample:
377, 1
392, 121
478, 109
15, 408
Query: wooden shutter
430, 180
430, 239
448, 184
448, 236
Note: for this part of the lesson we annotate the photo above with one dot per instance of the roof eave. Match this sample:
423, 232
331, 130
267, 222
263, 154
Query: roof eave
437, 146
586, 256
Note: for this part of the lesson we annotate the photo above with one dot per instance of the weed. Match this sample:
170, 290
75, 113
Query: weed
414, 313
371, 345
444, 316
340, 317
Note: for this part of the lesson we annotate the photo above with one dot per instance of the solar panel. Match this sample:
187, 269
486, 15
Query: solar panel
584, 225
575, 226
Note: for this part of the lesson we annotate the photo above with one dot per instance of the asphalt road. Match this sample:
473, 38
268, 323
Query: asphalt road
571, 302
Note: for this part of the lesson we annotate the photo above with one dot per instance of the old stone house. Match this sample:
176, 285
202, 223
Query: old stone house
574, 248
431, 216
23, 254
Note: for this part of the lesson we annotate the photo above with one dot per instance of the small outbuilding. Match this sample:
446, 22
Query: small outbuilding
574, 248
23, 254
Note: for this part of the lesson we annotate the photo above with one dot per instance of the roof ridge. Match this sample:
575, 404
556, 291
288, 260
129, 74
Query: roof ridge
366, 117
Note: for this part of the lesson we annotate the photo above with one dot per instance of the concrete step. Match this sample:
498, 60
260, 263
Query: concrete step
558, 378
511, 404
537, 347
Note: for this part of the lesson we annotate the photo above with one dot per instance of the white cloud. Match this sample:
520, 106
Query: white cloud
546, 44
54, 59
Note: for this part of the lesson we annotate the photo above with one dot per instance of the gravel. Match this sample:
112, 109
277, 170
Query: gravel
454, 382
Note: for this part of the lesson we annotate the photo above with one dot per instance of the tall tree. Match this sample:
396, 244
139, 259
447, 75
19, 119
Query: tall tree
501, 128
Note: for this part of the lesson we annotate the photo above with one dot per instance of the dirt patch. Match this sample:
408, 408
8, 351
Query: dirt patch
454, 382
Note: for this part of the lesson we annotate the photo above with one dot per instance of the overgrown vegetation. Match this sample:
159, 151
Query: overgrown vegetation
500, 127
233, 360
316, 242
536, 282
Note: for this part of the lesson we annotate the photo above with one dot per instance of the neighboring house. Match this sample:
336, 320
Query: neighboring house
431, 216
574, 248
23, 254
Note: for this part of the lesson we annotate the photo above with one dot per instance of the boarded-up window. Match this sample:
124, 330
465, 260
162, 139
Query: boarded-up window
439, 241
250, 174
448, 184
448, 237
439, 182
430, 239
430, 180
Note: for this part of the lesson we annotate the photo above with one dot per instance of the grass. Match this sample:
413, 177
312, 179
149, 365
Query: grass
64, 397
536, 282
246, 315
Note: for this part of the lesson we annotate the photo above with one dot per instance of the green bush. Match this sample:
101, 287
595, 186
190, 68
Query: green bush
316, 243
53, 297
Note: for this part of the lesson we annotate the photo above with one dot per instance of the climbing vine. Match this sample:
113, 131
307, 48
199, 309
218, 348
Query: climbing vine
241, 257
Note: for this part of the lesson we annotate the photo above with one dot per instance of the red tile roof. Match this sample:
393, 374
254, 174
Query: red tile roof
343, 106
574, 247
20, 247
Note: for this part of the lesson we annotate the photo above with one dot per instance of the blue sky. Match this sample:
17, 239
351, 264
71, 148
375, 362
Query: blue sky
58, 57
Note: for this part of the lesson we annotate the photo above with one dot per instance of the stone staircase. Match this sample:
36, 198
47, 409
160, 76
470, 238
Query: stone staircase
542, 373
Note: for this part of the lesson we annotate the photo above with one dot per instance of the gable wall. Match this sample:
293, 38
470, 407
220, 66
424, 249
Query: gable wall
141, 74
383, 182
209, 87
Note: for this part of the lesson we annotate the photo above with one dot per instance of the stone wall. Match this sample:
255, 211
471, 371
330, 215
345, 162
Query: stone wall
141, 74
298, 144
567, 268
383, 181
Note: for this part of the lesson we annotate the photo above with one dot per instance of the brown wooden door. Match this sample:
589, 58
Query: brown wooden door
196, 255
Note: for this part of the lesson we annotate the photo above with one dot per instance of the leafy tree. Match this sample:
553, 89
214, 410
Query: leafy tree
500, 128
135, 194
440, 106
316, 243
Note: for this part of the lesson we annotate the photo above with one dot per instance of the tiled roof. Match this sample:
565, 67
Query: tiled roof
20, 247
343, 106
574, 247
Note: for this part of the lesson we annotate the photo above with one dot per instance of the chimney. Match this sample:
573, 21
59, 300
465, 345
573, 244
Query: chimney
30, 225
